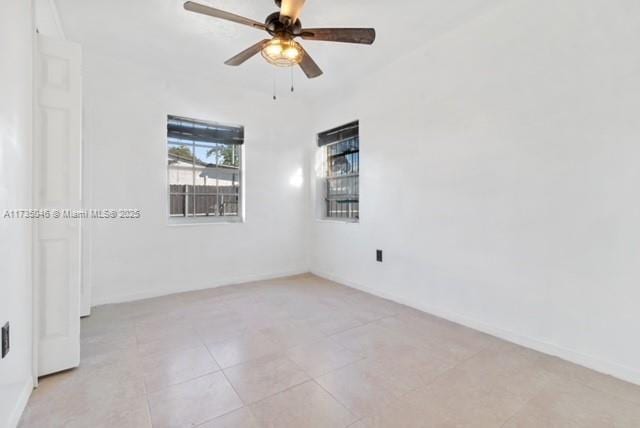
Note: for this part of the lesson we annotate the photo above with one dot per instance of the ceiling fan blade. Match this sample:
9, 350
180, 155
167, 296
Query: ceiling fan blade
291, 9
246, 54
309, 66
364, 36
217, 13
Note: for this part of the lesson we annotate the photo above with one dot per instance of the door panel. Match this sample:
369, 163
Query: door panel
57, 185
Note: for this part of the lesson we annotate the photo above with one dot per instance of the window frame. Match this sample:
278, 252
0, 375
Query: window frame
193, 219
325, 178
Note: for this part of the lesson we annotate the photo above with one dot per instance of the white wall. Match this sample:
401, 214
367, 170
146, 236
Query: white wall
125, 111
47, 19
16, 102
500, 173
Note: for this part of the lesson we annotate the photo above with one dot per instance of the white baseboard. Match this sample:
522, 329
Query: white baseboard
158, 292
606, 367
21, 403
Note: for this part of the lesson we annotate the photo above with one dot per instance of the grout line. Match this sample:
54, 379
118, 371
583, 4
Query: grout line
146, 398
356, 416
579, 381
524, 405
224, 374
253, 403
248, 405
181, 382
221, 416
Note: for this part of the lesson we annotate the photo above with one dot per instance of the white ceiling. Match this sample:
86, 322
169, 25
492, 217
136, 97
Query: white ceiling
160, 33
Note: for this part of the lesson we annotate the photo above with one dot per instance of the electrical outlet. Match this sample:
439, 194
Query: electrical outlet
5, 340
379, 256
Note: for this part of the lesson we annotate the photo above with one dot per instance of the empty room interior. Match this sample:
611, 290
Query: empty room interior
345, 213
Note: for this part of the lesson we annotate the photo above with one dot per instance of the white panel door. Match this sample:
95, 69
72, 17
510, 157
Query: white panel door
57, 185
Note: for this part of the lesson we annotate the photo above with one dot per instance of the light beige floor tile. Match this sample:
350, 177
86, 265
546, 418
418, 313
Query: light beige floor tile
289, 334
304, 307
52, 386
241, 418
515, 369
219, 314
470, 340
219, 327
208, 295
405, 414
565, 403
449, 340
367, 339
111, 337
89, 417
363, 314
599, 381
106, 332
374, 304
306, 405
171, 342
109, 349
376, 342
359, 389
152, 331
401, 374
38, 416
259, 379
243, 348
203, 307
138, 418
115, 387
103, 322
193, 402
335, 323
162, 370
221, 333
321, 357
95, 392
156, 313
458, 400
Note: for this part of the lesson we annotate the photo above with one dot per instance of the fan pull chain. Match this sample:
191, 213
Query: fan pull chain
292, 88
275, 97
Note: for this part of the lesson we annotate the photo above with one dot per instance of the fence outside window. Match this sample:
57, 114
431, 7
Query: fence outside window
204, 168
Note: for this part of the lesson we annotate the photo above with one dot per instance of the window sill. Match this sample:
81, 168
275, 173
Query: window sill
331, 220
200, 221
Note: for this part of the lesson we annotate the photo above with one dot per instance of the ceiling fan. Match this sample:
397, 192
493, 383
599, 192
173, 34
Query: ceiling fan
282, 50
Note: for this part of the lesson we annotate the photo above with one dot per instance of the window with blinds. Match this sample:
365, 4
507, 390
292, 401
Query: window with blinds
341, 148
204, 169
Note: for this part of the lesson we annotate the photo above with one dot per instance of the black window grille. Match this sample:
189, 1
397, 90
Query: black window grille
342, 171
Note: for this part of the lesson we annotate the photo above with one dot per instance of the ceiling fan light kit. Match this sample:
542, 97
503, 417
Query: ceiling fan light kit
282, 52
283, 27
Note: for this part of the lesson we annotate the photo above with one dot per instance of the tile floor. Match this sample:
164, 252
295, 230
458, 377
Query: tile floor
306, 352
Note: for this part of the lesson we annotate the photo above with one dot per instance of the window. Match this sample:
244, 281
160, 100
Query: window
342, 168
204, 168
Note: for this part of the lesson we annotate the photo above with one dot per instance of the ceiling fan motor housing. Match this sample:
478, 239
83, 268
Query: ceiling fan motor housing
276, 27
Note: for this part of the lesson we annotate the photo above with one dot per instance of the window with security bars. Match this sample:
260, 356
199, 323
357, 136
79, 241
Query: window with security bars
342, 170
205, 169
